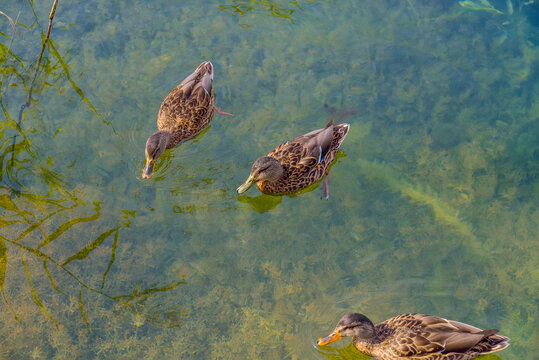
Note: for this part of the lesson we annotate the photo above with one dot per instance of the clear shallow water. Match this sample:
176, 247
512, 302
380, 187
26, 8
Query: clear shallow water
433, 199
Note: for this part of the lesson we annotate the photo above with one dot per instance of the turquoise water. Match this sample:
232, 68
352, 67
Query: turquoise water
433, 198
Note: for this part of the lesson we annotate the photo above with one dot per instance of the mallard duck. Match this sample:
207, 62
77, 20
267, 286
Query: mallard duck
185, 112
298, 163
417, 336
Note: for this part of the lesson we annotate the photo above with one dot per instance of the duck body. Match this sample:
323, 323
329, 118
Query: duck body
184, 113
298, 163
189, 108
417, 337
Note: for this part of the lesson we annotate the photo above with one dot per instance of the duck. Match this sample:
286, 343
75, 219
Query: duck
184, 113
416, 337
298, 163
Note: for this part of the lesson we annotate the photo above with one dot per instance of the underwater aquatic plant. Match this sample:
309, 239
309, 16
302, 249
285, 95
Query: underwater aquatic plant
11, 22
265, 7
510, 17
422, 195
40, 208
482, 5
485, 5
247, 279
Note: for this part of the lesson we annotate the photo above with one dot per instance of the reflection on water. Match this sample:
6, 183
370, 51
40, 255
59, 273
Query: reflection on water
431, 209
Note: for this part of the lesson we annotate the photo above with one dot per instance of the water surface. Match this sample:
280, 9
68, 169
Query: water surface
433, 198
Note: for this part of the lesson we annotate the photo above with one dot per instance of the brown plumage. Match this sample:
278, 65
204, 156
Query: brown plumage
417, 337
297, 163
185, 112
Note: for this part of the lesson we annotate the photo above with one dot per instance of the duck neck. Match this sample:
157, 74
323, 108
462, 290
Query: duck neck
372, 335
372, 340
367, 345
165, 138
380, 333
276, 171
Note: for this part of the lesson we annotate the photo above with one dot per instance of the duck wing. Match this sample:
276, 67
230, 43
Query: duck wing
418, 334
201, 80
316, 145
189, 107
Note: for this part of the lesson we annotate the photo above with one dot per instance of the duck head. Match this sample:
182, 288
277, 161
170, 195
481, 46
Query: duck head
266, 168
155, 145
355, 325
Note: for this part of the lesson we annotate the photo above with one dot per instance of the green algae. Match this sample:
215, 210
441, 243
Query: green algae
419, 194
482, 5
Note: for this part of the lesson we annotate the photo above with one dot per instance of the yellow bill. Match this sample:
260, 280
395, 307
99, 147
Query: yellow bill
246, 185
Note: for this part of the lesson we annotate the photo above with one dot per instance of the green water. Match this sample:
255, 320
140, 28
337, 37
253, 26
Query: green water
433, 198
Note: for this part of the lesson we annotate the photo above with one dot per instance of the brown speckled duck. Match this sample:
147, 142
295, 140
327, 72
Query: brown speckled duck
185, 112
298, 163
417, 337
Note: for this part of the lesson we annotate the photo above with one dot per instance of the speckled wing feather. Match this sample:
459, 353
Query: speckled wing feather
417, 336
187, 110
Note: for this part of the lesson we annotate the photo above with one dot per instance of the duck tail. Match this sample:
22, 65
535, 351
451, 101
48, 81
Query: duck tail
493, 342
340, 131
330, 123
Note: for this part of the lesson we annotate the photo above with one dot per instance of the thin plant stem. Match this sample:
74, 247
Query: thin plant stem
38, 64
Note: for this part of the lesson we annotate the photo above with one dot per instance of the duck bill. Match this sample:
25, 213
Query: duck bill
246, 185
334, 336
148, 169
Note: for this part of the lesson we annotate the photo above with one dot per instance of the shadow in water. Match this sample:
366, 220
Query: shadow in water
261, 203
348, 352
